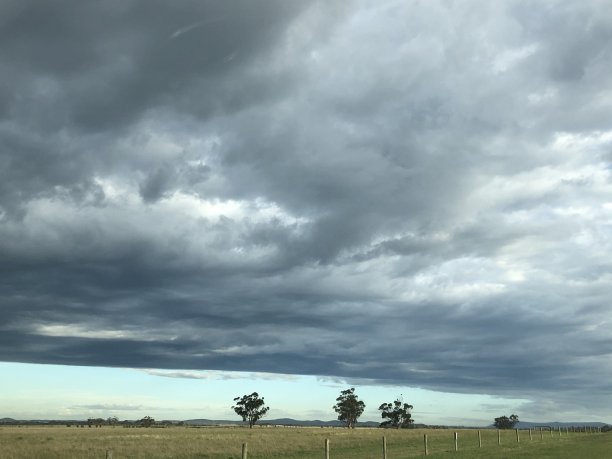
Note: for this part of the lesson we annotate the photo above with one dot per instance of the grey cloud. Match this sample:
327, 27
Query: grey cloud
154, 186
217, 375
109, 407
119, 58
73, 71
385, 193
576, 36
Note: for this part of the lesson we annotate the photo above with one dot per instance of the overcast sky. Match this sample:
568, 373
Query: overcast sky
403, 193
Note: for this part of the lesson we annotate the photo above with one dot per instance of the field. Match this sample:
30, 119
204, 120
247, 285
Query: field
60, 442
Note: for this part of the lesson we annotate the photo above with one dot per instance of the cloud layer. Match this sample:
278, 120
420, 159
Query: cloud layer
413, 193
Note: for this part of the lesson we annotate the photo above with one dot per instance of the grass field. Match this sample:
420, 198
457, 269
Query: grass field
290, 443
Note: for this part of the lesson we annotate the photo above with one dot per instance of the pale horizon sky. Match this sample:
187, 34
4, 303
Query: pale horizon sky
65, 392
401, 195
69, 392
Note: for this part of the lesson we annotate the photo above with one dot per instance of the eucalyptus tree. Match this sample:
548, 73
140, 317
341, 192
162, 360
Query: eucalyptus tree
396, 414
349, 407
250, 408
505, 422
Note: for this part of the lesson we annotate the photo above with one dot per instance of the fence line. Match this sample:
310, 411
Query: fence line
384, 447
587, 430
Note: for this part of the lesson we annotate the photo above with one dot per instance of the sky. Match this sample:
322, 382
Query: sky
207, 198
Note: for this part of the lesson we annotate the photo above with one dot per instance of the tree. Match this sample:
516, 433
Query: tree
349, 407
250, 407
95, 422
112, 421
505, 422
147, 421
397, 414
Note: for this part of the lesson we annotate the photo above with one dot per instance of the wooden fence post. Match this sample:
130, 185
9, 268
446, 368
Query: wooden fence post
541, 434
479, 440
425, 443
327, 448
530, 437
498, 437
456, 442
559, 431
244, 451
384, 445
518, 440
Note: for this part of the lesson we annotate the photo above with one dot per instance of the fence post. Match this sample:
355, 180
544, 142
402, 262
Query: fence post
384, 447
498, 437
425, 443
518, 440
551, 430
541, 434
327, 448
244, 451
479, 440
109, 454
456, 442
530, 437
559, 431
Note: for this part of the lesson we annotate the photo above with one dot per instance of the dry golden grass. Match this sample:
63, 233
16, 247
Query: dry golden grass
290, 443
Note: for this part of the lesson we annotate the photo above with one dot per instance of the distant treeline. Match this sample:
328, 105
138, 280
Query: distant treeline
90, 423
150, 422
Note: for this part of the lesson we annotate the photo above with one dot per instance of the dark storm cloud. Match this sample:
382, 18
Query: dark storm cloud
412, 194
76, 74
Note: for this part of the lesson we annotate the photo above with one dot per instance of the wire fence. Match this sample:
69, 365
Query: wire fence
502, 437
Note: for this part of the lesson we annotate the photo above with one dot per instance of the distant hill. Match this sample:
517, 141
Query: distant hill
294, 422
210, 422
277, 422
11, 421
315, 423
556, 425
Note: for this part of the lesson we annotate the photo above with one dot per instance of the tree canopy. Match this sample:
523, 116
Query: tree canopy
147, 421
250, 407
349, 407
505, 422
397, 414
